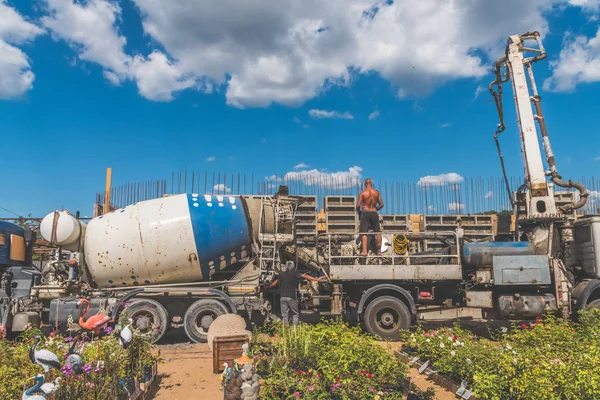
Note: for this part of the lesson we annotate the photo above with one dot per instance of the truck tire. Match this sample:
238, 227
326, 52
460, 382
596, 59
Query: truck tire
150, 318
386, 317
199, 316
593, 304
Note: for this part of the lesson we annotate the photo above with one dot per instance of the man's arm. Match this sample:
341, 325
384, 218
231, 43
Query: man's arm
272, 285
380, 201
360, 200
312, 278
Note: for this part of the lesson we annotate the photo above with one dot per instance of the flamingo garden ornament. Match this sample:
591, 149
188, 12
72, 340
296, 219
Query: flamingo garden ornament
45, 358
93, 323
28, 394
126, 335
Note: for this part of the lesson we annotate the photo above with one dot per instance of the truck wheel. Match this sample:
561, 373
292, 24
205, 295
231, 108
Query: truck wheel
150, 318
593, 304
386, 317
200, 316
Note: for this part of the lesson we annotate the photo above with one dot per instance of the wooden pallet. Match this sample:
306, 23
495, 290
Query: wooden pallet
143, 392
226, 349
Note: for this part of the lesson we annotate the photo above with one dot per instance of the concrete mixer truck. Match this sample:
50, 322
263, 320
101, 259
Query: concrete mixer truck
183, 260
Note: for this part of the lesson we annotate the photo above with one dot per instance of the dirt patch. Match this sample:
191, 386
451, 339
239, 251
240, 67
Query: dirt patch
186, 372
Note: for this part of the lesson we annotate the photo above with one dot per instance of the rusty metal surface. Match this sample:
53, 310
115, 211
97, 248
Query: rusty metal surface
395, 272
522, 270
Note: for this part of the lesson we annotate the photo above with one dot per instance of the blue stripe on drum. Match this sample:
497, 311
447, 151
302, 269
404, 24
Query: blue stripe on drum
220, 227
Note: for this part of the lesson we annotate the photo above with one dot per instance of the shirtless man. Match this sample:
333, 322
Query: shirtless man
369, 199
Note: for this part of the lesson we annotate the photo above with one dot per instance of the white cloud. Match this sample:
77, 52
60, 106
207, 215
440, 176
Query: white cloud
489, 194
455, 206
300, 166
210, 159
221, 188
374, 115
578, 62
16, 76
439, 180
446, 125
339, 179
320, 114
480, 89
288, 51
90, 29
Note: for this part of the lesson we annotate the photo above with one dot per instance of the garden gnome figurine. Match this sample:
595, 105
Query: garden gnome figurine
251, 386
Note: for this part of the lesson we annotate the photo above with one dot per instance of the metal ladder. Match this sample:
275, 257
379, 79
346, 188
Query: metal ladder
270, 243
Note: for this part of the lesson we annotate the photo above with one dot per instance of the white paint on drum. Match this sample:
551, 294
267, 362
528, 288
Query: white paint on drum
150, 242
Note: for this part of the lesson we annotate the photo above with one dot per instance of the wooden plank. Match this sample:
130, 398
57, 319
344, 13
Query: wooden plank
107, 196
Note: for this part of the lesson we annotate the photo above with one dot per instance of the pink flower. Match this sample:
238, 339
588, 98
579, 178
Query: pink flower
435, 333
370, 389
297, 394
426, 334
52, 334
310, 388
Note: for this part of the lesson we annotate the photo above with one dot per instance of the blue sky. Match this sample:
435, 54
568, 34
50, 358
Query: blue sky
123, 85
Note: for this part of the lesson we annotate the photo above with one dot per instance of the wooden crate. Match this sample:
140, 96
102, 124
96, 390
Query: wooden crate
226, 349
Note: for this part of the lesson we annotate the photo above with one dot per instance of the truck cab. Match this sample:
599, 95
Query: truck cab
17, 276
586, 247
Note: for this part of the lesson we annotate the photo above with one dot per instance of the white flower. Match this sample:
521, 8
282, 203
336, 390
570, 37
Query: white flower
514, 352
428, 340
469, 360
548, 345
455, 344
442, 345
508, 347
414, 340
462, 344
515, 360
452, 353
450, 338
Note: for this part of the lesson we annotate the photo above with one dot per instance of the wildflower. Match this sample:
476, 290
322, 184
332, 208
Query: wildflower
68, 339
371, 389
470, 336
556, 361
474, 377
426, 334
311, 388
377, 397
455, 337
428, 340
523, 326
363, 372
449, 338
452, 353
369, 375
469, 360
66, 370
414, 340
108, 330
508, 347
52, 334
455, 344
87, 368
435, 333
462, 344
442, 345
515, 360
297, 394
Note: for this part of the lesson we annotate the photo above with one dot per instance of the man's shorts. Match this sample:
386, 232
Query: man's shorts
369, 219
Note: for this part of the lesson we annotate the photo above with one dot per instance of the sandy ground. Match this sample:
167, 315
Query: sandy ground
186, 372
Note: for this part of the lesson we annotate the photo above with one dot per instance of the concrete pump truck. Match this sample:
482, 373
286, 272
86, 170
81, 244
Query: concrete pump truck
183, 260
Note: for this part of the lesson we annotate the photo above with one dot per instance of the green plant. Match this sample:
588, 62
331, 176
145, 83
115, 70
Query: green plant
110, 372
549, 359
329, 360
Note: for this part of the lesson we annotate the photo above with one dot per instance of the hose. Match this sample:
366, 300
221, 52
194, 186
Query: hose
400, 244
